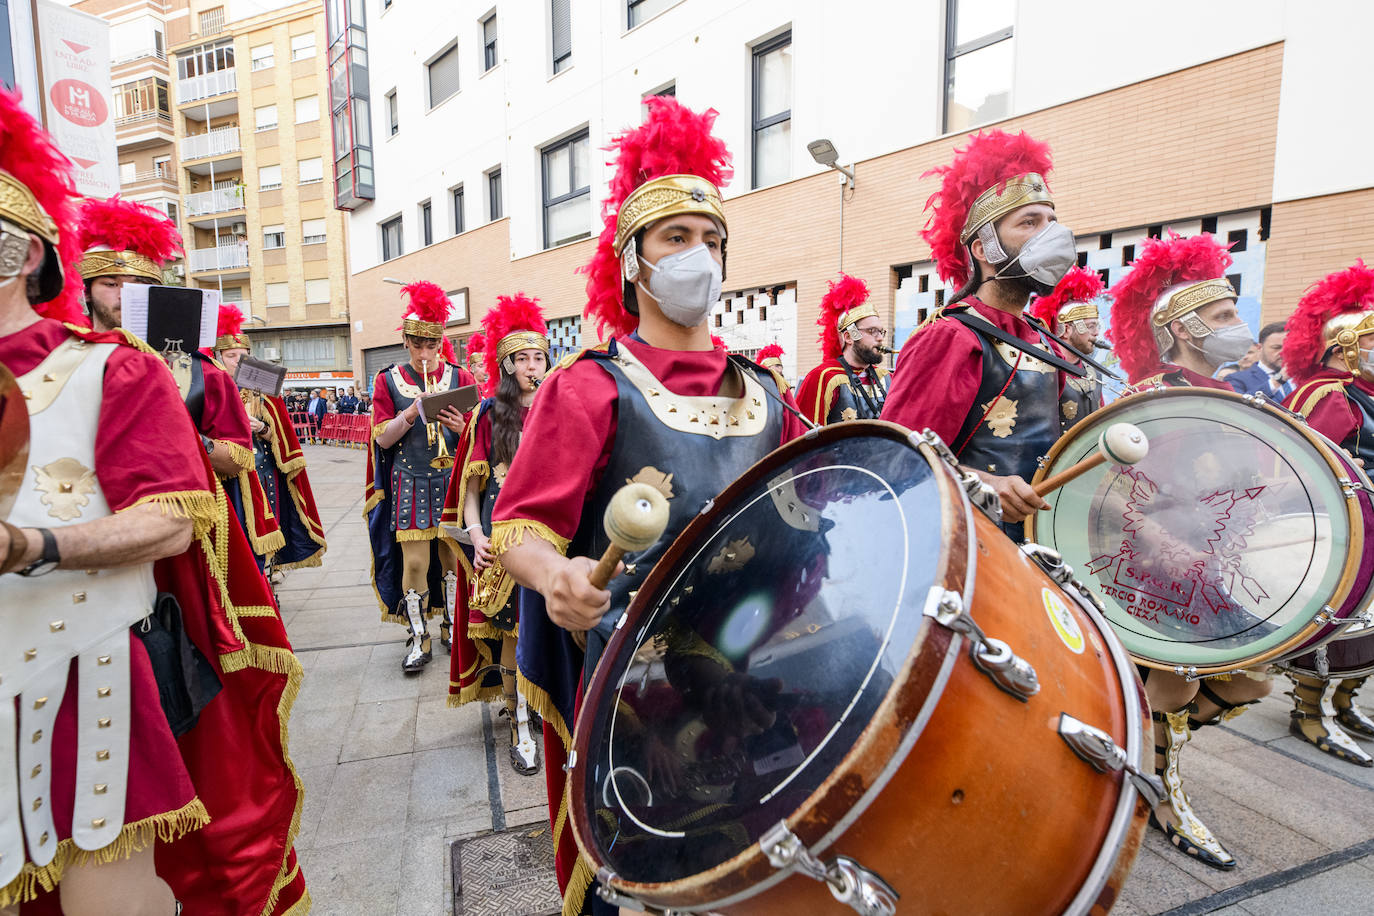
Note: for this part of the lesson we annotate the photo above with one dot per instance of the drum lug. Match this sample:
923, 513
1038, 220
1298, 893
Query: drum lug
993, 657
572, 761
849, 882
980, 494
1054, 566
1096, 748
604, 877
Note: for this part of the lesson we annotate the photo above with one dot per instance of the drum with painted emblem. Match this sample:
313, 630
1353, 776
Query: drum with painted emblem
1238, 540
844, 689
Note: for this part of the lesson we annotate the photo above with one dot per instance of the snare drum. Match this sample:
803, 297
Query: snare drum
842, 687
1238, 540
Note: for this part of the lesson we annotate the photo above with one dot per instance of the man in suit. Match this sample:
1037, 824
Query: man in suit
348, 403
1266, 376
317, 409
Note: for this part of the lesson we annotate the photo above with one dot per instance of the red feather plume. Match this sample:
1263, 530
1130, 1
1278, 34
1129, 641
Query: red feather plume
841, 296
1160, 264
673, 140
1078, 285
992, 157
771, 351
230, 321
28, 153
124, 225
1349, 290
512, 313
476, 344
428, 302
447, 352
720, 344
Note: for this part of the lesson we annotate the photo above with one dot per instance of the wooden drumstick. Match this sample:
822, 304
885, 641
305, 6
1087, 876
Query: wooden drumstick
635, 518
1121, 443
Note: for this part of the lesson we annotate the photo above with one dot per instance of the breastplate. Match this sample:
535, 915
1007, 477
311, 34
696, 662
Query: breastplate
1081, 396
63, 615
858, 398
413, 453
1008, 434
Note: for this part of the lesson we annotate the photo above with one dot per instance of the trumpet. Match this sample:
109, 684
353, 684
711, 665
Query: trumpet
444, 458
882, 349
535, 383
484, 586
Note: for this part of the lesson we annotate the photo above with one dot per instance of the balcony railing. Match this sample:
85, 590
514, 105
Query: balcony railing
139, 55
207, 86
139, 117
220, 200
151, 175
222, 258
215, 143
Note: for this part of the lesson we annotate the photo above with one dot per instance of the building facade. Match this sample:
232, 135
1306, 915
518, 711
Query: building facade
224, 127
473, 135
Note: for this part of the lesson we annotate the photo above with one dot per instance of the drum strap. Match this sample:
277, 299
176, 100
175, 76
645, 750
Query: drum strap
981, 326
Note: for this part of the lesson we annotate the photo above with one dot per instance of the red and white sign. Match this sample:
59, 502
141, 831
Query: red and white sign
75, 50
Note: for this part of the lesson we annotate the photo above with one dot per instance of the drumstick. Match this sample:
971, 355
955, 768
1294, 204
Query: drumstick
635, 518
1122, 443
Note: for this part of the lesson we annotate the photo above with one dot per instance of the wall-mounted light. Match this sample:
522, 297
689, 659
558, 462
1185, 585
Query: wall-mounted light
823, 151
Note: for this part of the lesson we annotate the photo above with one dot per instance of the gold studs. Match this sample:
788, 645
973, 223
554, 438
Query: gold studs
38, 803
37, 737
102, 692
64, 487
102, 722
672, 409
28, 395
715, 419
653, 392
101, 788
43, 839
630, 568
57, 626
97, 822
78, 598
749, 414
757, 402
30, 654
103, 660
694, 419
36, 771
49, 377
734, 421
40, 702
102, 755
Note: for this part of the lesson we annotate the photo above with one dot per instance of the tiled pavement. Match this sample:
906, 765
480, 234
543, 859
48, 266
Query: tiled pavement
392, 775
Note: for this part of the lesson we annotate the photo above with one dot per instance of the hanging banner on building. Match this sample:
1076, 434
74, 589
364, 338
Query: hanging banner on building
75, 55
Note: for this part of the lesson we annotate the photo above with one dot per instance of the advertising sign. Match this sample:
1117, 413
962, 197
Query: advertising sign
75, 55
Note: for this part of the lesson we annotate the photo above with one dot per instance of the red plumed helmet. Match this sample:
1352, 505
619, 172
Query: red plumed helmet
1159, 264
515, 324
447, 352
230, 321
771, 351
673, 140
1344, 292
839, 303
429, 304
29, 156
1078, 285
990, 159
476, 344
124, 227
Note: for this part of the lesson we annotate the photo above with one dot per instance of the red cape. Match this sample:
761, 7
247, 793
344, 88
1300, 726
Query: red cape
290, 461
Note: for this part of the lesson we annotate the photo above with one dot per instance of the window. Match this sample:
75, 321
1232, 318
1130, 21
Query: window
311, 170
313, 231
273, 236
212, 21
393, 116
262, 57
205, 59
316, 291
307, 351
560, 22
442, 73
391, 239
307, 109
303, 46
142, 99
265, 117
162, 166
426, 224
669, 91
171, 210
278, 294
494, 194
978, 62
269, 177
128, 172
567, 190
350, 103
458, 210
489, 41
773, 110
639, 10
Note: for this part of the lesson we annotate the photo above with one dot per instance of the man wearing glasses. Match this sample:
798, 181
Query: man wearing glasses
1071, 312
850, 383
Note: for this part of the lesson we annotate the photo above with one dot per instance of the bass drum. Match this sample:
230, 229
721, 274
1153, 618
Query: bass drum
1238, 540
800, 712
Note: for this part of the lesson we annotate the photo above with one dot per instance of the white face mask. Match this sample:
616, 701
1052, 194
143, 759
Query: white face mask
1045, 258
1228, 344
1367, 363
685, 284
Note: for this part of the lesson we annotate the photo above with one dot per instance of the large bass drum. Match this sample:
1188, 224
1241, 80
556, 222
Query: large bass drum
1238, 540
844, 687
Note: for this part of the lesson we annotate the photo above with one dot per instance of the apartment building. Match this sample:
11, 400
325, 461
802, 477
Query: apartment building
469, 136
221, 120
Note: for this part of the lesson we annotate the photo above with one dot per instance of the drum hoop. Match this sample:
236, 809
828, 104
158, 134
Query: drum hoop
1350, 568
880, 747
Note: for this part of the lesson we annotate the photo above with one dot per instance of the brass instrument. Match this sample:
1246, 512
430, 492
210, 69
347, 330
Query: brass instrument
484, 584
444, 459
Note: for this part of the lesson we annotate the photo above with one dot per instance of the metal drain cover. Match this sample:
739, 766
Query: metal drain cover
506, 874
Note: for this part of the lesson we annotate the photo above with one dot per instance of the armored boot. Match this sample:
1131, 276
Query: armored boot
524, 749
450, 599
1314, 719
418, 654
1352, 717
1186, 832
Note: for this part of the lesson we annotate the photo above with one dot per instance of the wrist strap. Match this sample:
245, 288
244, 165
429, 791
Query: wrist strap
477, 525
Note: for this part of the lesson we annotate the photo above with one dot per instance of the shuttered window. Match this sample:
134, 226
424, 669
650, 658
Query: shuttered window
561, 22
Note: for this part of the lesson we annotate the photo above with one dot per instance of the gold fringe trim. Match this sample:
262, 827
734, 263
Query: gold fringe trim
135, 837
315, 559
197, 505
423, 534
372, 502
255, 610
579, 882
301, 906
539, 700
264, 658
488, 631
511, 533
241, 455
294, 675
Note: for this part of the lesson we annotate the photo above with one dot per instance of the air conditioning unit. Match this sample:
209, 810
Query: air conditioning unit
179, 271
271, 354
240, 229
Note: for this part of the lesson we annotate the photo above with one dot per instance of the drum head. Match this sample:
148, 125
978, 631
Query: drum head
757, 653
1220, 547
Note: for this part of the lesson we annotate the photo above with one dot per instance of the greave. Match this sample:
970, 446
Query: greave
1313, 719
1186, 832
418, 644
1352, 717
524, 749
450, 600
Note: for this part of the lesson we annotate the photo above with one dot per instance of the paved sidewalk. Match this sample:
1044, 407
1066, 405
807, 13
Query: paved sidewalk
393, 776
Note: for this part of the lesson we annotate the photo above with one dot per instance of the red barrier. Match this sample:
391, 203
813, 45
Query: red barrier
301, 422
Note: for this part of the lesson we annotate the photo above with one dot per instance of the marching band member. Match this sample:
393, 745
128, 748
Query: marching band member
978, 373
1174, 321
1071, 312
851, 382
1329, 353
413, 562
770, 357
277, 455
487, 627
655, 403
126, 242
477, 360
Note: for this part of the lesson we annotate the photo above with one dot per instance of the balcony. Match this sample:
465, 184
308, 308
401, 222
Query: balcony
233, 256
140, 54
207, 86
214, 143
208, 203
143, 129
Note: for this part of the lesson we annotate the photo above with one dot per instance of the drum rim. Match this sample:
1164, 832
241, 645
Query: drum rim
1351, 564
917, 690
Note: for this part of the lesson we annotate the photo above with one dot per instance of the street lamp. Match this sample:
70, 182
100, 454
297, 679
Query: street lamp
823, 151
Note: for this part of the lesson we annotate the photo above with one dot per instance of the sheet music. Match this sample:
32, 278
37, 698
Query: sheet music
134, 312
258, 375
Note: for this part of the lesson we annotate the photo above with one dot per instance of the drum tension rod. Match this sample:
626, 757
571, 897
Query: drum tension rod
979, 493
1096, 748
1007, 670
849, 882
